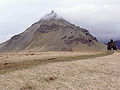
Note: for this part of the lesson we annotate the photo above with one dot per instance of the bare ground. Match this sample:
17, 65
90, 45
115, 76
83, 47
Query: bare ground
102, 73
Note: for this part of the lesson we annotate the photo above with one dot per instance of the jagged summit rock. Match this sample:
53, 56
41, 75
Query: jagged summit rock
52, 33
51, 15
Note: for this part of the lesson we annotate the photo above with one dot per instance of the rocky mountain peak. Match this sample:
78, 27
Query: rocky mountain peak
52, 33
53, 12
51, 15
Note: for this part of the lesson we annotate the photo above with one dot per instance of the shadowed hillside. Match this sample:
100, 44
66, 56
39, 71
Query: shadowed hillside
118, 44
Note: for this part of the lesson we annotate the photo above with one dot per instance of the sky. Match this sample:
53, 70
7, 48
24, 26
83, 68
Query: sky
100, 17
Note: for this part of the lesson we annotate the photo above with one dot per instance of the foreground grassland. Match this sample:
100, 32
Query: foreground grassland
24, 63
60, 71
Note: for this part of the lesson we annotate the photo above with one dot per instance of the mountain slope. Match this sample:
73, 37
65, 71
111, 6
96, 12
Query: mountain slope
52, 33
118, 44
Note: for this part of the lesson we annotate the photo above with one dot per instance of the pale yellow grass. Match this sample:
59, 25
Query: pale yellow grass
20, 57
101, 73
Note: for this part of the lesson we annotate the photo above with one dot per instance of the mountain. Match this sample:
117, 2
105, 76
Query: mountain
118, 44
52, 33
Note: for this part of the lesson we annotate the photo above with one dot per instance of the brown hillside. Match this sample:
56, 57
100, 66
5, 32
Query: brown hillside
52, 33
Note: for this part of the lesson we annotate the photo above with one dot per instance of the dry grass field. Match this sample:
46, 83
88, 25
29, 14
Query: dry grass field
60, 71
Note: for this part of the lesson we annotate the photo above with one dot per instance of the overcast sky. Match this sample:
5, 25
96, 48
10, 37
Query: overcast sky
100, 17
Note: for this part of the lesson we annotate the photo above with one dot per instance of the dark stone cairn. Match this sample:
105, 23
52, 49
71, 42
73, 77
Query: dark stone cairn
111, 45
